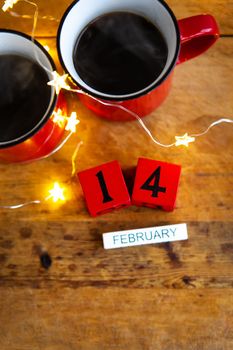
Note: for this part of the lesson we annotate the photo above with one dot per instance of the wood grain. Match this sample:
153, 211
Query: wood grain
220, 9
80, 260
115, 318
174, 296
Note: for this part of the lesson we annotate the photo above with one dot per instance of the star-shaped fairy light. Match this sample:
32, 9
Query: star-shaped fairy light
59, 118
59, 82
184, 140
8, 4
56, 193
72, 121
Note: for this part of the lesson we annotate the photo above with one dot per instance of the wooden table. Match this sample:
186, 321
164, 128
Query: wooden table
174, 296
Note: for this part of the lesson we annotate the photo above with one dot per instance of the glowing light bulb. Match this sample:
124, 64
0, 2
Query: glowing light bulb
72, 121
56, 193
184, 140
59, 82
8, 4
59, 118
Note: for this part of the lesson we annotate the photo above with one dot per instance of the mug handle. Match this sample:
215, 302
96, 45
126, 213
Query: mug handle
197, 34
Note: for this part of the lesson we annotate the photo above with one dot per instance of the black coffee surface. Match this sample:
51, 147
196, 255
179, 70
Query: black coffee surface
24, 96
120, 53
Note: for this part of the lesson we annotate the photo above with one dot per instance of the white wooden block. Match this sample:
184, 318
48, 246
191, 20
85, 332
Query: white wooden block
142, 236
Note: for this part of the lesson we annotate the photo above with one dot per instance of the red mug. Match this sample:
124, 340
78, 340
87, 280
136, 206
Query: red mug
185, 39
45, 135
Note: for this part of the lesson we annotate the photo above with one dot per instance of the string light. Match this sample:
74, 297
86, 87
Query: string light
72, 122
59, 82
18, 15
18, 206
56, 193
179, 140
58, 118
8, 4
184, 140
74, 158
217, 122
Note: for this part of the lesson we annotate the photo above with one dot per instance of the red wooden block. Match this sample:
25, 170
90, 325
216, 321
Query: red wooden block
156, 184
104, 188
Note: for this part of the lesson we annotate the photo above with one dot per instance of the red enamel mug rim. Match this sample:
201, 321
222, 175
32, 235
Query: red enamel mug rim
64, 34
54, 97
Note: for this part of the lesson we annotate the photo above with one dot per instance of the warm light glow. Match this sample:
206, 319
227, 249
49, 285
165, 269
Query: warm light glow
8, 4
184, 140
59, 82
47, 48
56, 193
59, 118
72, 121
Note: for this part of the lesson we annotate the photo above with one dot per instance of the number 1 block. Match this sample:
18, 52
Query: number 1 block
156, 184
104, 188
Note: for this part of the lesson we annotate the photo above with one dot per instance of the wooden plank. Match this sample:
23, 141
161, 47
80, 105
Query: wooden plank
78, 257
115, 318
222, 10
172, 296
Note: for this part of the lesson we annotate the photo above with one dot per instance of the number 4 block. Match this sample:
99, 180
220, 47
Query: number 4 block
156, 184
104, 188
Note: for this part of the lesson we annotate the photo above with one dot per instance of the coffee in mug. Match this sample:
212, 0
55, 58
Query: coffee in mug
23, 93
27, 102
120, 53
